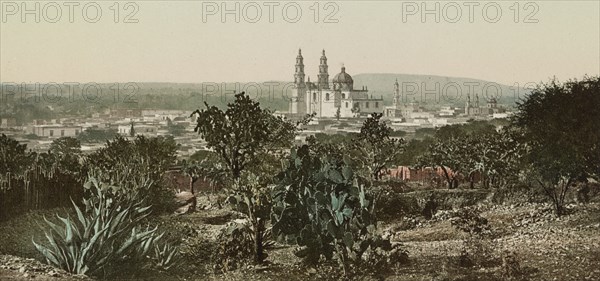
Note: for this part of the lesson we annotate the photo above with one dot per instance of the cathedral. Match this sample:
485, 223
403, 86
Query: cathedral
475, 110
336, 100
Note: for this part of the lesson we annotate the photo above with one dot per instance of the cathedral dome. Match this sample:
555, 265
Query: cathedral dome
343, 81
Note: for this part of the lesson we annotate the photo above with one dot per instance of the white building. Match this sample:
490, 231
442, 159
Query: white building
340, 100
162, 114
56, 131
139, 129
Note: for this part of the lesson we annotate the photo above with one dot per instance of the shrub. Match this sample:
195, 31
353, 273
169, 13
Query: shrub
128, 164
511, 267
252, 198
235, 247
478, 246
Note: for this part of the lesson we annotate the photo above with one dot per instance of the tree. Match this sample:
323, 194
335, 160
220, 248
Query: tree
132, 131
129, 163
208, 168
241, 135
97, 135
447, 156
413, 150
13, 155
176, 129
67, 155
560, 123
377, 149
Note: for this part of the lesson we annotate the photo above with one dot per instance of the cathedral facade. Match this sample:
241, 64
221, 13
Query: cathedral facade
337, 99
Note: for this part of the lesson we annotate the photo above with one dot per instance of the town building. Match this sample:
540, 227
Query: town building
403, 110
56, 131
8, 122
146, 130
338, 100
491, 108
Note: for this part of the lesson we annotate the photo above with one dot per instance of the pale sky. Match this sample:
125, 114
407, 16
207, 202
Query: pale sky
172, 43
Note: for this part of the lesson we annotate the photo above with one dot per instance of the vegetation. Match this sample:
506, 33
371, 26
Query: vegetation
92, 135
321, 206
241, 132
242, 135
107, 232
330, 202
560, 125
376, 146
128, 163
466, 151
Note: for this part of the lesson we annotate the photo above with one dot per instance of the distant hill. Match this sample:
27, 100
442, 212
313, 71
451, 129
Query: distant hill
423, 88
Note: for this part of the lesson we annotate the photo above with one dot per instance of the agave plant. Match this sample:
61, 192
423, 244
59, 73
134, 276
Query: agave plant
166, 256
104, 232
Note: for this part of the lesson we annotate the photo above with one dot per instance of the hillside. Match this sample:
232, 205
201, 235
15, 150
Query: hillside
446, 93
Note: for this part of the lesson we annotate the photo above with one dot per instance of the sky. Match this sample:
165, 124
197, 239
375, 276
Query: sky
198, 41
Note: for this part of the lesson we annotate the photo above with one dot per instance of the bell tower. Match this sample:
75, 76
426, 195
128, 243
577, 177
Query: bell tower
299, 75
396, 94
323, 81
298, 98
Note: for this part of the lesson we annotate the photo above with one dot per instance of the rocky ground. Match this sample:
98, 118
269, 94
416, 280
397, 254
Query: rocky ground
16, 268
546, 247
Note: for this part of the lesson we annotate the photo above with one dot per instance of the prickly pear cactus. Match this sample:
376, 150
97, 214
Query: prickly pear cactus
320, 206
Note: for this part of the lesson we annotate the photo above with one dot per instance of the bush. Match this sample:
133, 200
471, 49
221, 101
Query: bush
128, 164
106, 234
478, 247
235, 247
511, 267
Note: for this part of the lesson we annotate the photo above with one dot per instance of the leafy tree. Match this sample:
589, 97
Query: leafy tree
445, 155
128, 163
377, 149
241, 131
424, 132
176, 129
96, 135
202, 154
242, 135
67, 154
413, 150
208, 168
561, 126
13, 155
471, 128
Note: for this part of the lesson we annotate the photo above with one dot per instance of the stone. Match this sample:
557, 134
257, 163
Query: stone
186, 201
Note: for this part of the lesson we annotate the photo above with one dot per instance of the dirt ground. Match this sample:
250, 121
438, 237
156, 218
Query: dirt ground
547, 248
